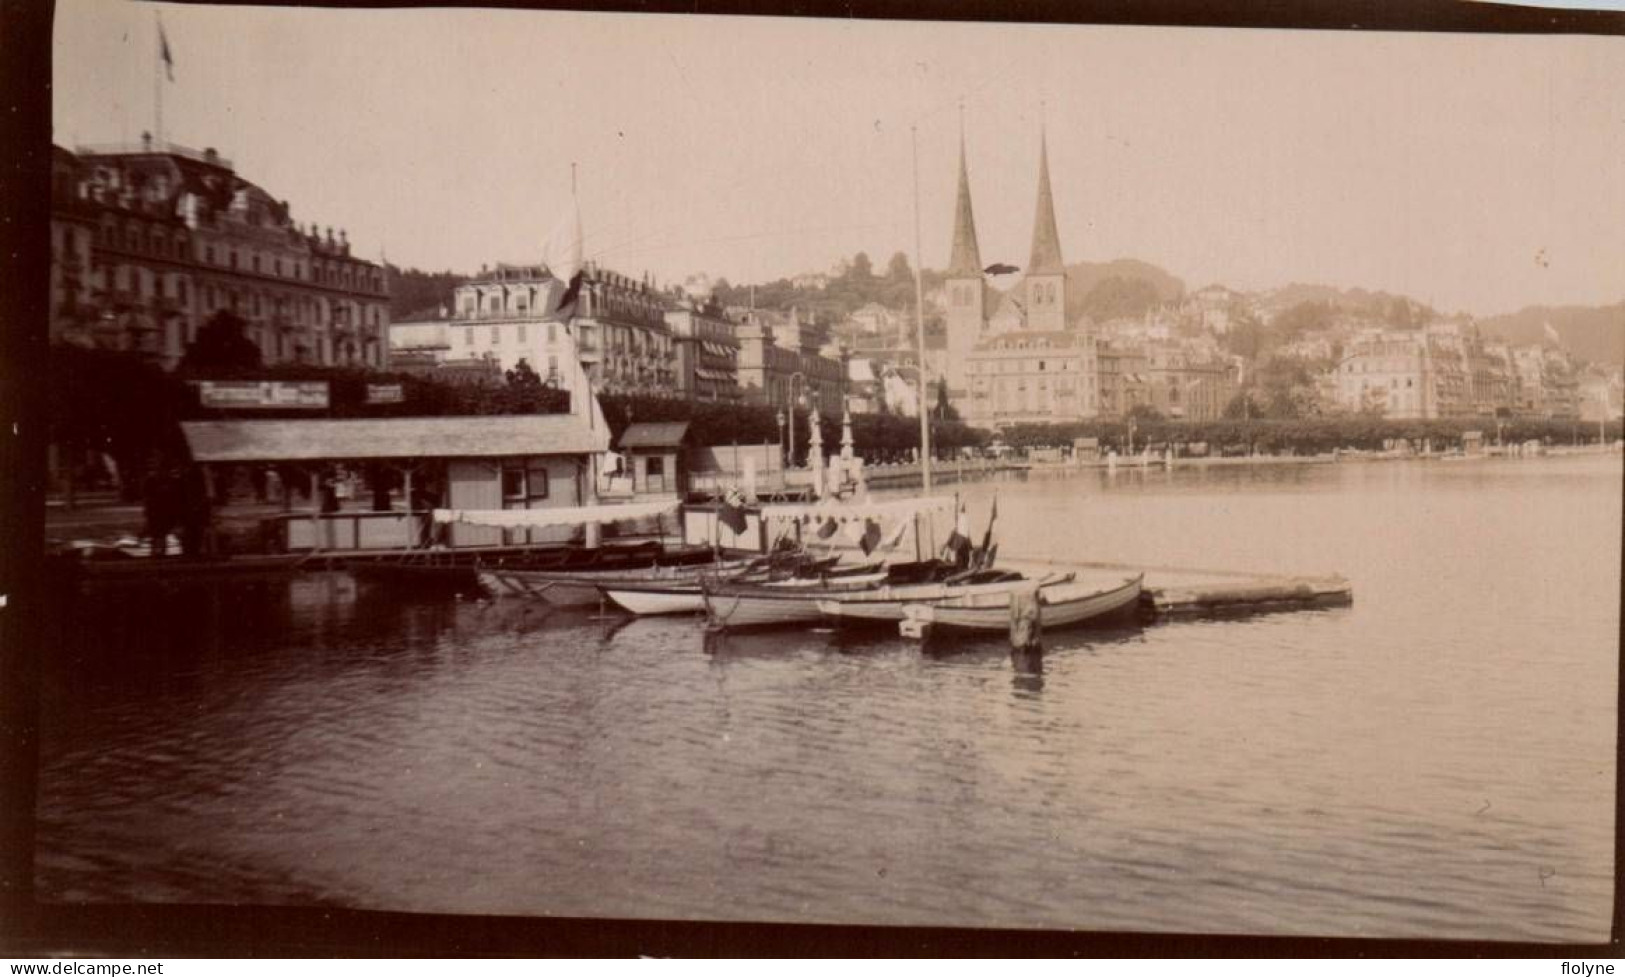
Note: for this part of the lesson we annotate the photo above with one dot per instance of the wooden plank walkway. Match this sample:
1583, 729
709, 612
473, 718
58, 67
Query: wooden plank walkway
1191, 591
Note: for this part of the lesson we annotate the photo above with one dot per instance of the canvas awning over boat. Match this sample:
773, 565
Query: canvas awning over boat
884, 510
558, 516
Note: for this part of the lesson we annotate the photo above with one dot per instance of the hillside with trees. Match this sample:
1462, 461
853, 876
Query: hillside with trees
415, 294
1594, 332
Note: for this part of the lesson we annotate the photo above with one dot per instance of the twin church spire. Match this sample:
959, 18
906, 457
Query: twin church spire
965, 259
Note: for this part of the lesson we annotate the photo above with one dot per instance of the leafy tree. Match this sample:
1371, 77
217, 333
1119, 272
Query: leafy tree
944, 410
1145, 413
1244, 406
1307, 316
522, 376
1119, 297
221, 344
898, 270
862, 269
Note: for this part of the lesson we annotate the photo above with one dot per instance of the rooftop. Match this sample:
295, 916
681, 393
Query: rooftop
667, 434
320, 439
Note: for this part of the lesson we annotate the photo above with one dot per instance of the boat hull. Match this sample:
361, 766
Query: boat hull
888, 605
760, 607
1058, 607
584, 589
656, 600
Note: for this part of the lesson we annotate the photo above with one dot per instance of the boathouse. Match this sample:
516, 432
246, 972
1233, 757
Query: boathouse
528, 461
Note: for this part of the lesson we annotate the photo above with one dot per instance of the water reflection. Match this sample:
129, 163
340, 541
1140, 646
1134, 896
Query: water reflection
1325, 772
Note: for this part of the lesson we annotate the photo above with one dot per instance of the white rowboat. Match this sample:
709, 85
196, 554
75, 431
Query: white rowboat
1059, 606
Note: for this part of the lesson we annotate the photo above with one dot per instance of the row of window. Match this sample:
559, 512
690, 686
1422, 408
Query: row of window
173, 245
146, 283
521, 334
1021, 366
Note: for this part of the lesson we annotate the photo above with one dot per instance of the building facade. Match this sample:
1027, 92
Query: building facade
622, 336
1032, 376
179, 236
707, 350
1185, 382
781, 374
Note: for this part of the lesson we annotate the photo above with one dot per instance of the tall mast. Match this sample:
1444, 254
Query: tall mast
919, 325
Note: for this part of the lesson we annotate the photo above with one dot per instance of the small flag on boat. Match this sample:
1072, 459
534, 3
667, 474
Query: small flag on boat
732, 512
827, 529
895, 537
984, 556
871, 536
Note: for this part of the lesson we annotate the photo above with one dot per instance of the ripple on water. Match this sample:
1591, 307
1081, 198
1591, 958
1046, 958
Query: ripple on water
1436, 760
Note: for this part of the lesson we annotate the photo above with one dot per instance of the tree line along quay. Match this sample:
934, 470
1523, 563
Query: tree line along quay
132, 411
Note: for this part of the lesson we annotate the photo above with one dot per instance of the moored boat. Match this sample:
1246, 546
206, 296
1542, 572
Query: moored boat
581, 589
887, 604
1061, 605
687, 596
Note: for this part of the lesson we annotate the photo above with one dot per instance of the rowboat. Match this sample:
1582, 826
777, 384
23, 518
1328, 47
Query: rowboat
687, 597
1062, 605
753, 605
581, 589
889, 604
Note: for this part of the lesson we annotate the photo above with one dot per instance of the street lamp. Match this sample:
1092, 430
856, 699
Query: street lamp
790, 409
781, 433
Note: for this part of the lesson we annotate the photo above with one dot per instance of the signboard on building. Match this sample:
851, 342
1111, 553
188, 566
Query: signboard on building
386, 393
261, 394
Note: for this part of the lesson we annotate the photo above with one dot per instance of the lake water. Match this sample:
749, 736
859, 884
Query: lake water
1436, 760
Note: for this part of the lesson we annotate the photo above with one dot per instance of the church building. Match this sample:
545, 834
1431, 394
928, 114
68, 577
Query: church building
1024, 362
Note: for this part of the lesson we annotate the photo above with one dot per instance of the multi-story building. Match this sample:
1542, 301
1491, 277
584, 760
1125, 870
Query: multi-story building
622, 335
1032, 376
74, 315
179, 236
1187, 381
1547, 386
707, 349
1121, 370
498, 317
779, 374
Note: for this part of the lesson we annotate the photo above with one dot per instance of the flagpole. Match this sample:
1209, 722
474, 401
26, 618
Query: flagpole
158, 84
919, 324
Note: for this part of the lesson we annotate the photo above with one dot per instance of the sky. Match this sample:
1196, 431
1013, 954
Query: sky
1478, 173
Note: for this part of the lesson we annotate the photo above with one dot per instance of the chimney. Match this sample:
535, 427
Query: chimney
210, 155
146, 141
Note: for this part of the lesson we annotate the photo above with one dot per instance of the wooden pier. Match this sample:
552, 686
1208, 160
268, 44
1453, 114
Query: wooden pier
1194, 592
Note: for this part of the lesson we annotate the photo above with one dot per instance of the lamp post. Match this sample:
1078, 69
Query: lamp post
790, 409
781, 433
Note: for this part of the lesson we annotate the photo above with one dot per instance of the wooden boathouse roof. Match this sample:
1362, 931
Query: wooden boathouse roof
483, 436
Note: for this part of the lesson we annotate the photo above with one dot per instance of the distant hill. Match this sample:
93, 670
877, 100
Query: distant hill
1132, 278
1377, 303
415, 294
1083, 276
1594, 332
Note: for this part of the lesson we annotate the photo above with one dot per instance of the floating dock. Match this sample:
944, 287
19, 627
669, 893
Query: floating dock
1194, 592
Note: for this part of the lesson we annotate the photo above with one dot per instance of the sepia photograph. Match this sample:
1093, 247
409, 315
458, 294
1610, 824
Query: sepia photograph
1160, 480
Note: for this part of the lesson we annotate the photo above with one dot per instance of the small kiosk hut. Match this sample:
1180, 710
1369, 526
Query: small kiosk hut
656, 453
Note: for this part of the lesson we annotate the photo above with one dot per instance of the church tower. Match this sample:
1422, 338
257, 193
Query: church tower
966, 321
1045, 285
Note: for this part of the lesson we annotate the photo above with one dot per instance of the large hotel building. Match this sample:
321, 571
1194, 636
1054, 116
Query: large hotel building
149, 241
